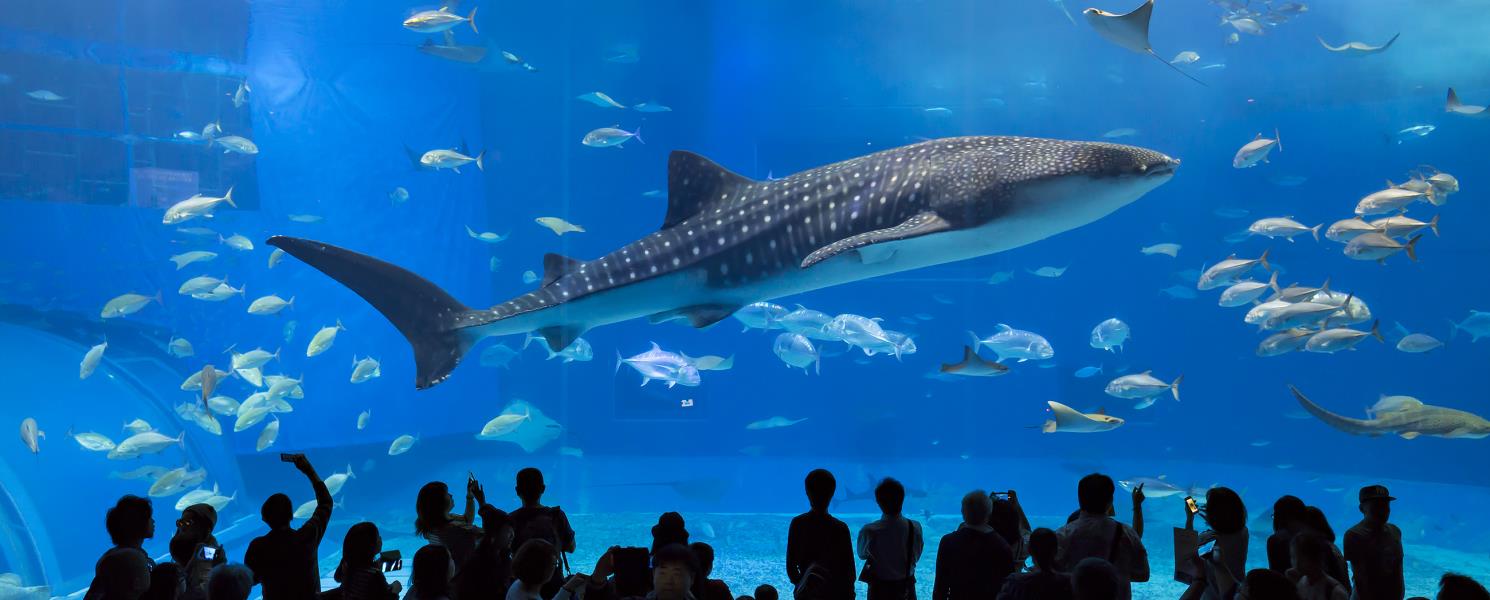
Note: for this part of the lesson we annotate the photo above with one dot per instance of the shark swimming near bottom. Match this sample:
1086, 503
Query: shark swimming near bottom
1409, 421
728, 241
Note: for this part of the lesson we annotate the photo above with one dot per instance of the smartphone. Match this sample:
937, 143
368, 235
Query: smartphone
289, 457
1191, 505
209, 553
392, 560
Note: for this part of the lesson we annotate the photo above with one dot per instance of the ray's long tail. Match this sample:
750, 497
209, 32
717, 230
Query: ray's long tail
438, 327
1346, 424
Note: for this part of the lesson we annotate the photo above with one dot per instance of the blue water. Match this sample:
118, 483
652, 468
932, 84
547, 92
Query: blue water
338, 90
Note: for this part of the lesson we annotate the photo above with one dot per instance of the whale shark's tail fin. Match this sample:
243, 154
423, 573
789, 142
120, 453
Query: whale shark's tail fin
434, 322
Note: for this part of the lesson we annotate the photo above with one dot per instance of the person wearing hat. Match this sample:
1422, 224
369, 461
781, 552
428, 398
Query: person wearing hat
1374, 549
194, 551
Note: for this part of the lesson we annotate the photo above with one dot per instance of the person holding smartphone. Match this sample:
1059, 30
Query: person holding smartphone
1224, 565
284, 561
194, 551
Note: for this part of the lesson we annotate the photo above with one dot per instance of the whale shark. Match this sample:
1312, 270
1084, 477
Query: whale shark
1409, 421
728, 241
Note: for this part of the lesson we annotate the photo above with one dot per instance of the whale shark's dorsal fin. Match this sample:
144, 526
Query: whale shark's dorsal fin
555, 267
694, 184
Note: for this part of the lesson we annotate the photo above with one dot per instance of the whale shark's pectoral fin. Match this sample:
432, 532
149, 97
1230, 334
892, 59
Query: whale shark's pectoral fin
560, 337
921, 224
699, 316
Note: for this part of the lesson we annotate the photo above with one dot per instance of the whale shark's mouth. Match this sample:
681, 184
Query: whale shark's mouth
1162, 169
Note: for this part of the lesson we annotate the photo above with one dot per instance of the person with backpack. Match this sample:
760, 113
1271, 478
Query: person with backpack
534, 521
890, 547
1094, 534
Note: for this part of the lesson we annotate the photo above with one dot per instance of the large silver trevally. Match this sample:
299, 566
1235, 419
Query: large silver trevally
196, 206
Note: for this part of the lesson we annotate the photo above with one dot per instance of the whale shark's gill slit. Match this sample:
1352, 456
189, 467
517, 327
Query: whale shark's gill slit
432, 320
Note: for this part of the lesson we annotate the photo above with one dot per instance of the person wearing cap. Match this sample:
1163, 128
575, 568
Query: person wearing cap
194, 551
1373, 548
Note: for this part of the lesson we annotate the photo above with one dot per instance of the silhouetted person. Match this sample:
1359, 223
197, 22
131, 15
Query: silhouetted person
488, 572
674, 568
817, 538
1007, 518
1044, 581
437, 525
1220, 571
360, 573
433, 571
533, 565
195, 551
123, 572
1267, 584
229, 582
165, 582
1313, 582
285, 561
890, 546
1453, 586
1288, 518
703, 587
534, 521
1094, 534
972, 562
766, 591
1373, 548
670, 529
1096, 579
1315, 522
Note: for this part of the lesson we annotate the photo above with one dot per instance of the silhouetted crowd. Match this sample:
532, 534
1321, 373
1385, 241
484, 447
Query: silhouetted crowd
994, 554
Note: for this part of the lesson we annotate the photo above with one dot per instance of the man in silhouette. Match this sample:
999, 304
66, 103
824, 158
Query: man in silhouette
284, 561
817, 539
534, 521
890, 547
1044, 582
1374, 548
1094, 534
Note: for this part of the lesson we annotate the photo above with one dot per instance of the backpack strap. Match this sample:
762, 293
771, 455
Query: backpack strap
910, 548
1117, 537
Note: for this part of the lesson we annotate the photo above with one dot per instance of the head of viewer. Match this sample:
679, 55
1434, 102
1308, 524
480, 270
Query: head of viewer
820, 486
890, 496
975, 507
1376, 504
674, 567
1094, 494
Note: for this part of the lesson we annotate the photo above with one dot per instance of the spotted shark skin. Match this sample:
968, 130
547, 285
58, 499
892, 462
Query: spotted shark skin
728, 241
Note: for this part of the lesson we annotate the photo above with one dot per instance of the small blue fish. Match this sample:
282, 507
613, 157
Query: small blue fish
1179, 292
1086, 372
651, 107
